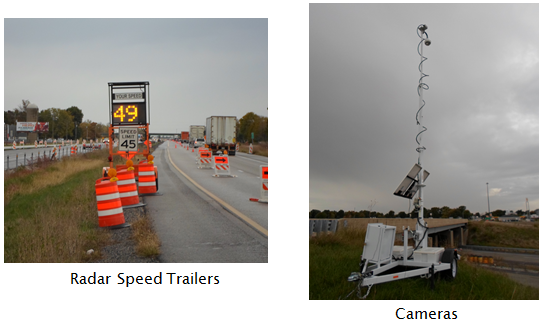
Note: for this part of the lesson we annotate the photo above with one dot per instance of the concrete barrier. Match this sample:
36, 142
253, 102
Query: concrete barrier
334, 225
322, 225
361, 223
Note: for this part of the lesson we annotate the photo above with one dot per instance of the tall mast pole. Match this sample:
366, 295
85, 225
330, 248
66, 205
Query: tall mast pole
421, 227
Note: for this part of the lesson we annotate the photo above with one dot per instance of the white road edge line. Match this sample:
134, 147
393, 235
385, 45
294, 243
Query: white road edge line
233, 210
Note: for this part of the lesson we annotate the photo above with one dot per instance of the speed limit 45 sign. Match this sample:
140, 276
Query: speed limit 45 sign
127, 139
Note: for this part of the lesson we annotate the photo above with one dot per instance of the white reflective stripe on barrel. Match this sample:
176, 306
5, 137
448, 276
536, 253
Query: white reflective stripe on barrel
126, 194
145, 173
147, 184
105, 213
107, 197
125, 182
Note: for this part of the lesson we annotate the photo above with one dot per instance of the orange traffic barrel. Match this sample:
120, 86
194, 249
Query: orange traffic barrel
485, 260
480, 259
73, 151
110, 211
127, 188
136, 168
147, 179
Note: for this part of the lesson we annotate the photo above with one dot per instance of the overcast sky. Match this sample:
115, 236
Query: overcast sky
196, 67
481, 109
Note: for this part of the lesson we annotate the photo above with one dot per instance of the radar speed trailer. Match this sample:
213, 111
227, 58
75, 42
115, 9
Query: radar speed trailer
129, 112
381, 261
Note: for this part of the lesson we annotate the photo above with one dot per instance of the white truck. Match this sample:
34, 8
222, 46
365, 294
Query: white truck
221, 134
197, 135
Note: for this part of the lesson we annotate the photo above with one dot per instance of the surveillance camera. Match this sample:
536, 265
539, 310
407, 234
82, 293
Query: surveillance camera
427, 42
423, 28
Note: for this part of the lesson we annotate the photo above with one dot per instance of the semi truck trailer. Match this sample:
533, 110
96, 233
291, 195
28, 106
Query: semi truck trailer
221, 134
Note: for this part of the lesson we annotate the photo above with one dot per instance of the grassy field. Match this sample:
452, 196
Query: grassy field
50, 213
259, 149
333, 257
504, 234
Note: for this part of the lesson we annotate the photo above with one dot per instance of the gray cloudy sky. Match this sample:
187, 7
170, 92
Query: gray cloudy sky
481, 109
196, 67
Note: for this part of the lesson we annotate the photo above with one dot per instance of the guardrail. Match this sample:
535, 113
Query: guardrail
322, 225
31, 146
27, 159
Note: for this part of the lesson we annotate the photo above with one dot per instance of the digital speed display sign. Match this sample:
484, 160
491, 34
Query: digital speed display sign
129, 103
129, 113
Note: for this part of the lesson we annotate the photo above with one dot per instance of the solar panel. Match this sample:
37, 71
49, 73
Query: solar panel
408, 188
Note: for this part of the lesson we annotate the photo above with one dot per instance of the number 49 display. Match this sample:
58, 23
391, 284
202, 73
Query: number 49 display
131, 110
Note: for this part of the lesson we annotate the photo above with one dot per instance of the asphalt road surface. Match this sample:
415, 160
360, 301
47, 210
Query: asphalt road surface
212, 220
522, 268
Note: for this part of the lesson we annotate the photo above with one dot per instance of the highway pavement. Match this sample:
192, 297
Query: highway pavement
523, 268
201, 218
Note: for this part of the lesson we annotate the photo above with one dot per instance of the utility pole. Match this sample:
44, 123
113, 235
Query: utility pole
488, 209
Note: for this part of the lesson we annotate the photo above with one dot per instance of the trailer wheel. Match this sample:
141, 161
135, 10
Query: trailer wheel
449, 257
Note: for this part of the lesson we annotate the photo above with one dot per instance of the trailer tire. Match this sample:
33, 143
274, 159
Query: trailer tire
449, 257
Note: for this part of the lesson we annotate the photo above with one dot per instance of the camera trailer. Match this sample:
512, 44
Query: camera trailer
382, 262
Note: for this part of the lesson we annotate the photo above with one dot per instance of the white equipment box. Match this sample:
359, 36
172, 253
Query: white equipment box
428, 254
398, 251
378, 243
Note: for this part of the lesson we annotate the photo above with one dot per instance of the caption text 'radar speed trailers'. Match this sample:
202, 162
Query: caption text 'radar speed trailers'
221, 134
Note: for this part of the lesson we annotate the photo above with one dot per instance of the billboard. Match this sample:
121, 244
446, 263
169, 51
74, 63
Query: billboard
32, 126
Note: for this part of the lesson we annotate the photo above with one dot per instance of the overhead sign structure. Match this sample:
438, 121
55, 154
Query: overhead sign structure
127, 139
408, 186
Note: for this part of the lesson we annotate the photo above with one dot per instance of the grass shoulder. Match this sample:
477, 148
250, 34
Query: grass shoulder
50, 213
499, 234
260, 149
333, 257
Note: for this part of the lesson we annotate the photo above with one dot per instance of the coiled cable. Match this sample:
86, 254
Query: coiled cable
421, 84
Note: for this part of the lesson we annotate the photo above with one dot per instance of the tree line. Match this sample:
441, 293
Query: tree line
435, 212
252, 123
63, 123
